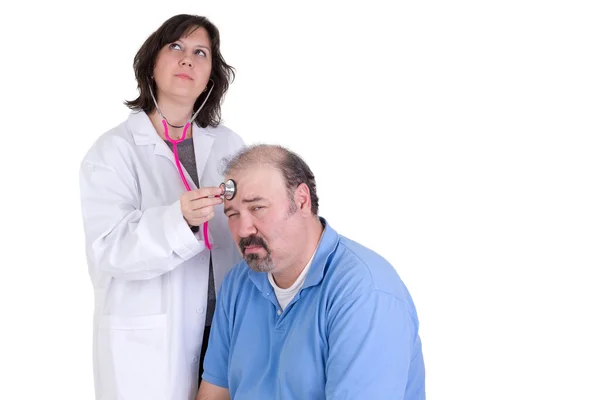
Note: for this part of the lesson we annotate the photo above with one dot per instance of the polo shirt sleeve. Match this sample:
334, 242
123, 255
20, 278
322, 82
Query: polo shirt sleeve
216, 360
370, 341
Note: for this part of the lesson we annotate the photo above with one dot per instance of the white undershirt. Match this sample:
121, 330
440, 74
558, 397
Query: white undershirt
284, 296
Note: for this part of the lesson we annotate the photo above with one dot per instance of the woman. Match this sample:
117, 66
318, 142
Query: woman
153, 271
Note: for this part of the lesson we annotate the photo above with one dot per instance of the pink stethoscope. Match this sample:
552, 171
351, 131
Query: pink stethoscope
228, 187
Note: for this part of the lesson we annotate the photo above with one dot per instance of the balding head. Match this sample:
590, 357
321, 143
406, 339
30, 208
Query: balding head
292, 167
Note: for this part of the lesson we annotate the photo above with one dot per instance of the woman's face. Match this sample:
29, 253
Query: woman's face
182, 68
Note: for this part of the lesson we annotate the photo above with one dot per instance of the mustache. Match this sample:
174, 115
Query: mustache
253, 240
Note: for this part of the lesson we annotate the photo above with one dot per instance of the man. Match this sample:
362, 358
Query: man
309, 314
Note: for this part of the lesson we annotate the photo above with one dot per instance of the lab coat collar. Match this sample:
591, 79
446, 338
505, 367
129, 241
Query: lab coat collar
143, 131
140, 126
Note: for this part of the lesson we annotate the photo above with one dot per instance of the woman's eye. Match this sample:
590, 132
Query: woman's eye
200, 53
174, 46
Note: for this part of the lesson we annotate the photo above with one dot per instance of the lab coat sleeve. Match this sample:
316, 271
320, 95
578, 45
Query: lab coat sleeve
122, 240
370, 341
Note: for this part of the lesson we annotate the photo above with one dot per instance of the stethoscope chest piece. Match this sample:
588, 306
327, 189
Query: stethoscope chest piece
228, 189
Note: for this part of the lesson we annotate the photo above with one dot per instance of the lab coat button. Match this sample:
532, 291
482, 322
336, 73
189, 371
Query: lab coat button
195, 360
200, 310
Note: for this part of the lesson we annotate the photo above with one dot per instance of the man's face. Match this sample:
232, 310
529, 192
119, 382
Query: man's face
263, 219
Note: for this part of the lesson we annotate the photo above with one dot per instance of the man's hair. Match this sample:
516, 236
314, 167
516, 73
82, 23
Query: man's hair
170, 31
293, 168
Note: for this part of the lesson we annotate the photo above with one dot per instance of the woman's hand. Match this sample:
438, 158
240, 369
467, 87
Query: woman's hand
197, 206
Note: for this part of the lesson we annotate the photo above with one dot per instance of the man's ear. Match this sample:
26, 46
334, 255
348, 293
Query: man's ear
302, 198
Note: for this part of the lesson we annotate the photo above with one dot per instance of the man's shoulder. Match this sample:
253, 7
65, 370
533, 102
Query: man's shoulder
355, 269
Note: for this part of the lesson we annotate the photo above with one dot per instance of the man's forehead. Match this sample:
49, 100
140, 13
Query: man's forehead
256, 179
255, 172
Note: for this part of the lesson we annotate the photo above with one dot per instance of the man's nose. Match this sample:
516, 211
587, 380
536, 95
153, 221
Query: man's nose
246, 227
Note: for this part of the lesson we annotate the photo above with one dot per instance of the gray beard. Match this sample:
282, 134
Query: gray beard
258, 264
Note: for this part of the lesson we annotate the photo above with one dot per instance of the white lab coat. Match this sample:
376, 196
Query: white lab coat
149, 270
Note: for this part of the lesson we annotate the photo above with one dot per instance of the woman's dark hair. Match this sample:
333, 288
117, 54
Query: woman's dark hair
170, 31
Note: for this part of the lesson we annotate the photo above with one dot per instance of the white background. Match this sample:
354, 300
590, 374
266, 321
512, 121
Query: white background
459, 139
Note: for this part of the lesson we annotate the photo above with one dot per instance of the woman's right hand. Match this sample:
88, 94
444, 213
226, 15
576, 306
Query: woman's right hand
197, 206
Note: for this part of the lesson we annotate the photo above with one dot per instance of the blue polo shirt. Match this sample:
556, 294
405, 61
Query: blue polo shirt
351, 332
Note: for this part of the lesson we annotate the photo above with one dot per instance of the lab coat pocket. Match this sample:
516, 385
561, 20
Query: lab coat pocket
132, 357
